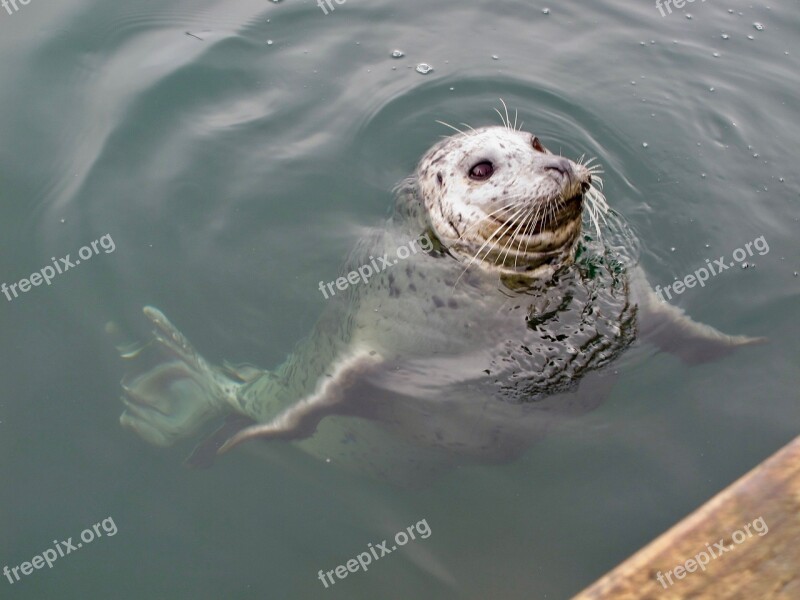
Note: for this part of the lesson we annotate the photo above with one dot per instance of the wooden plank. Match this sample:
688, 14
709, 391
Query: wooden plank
763, 565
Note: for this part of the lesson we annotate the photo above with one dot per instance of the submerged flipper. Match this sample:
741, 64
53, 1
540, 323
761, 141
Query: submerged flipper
672, 330
204, 454
331, 397
171, 391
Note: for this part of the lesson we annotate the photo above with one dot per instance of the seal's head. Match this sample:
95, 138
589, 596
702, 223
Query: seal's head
497, 196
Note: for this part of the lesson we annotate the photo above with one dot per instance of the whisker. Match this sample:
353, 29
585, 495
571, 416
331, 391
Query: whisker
477, 254
506, 229
514, 236
451, 127
527, 232
485, 218
522, 237
501, 117
508, 119
597, 207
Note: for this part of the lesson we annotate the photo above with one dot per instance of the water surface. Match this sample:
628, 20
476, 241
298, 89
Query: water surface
234, 166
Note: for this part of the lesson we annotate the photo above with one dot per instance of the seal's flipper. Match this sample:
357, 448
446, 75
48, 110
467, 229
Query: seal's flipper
173, 340
204, 454
170, 391
672, 330
331, 396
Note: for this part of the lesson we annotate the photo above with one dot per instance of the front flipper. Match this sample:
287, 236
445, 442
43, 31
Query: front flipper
672, 330
204, 454
175, 391
337, 394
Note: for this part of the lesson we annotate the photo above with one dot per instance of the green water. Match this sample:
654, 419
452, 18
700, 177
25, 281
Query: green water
234, 174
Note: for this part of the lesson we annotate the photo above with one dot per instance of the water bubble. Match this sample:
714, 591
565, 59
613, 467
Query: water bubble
424, 68
758, 26
398, 54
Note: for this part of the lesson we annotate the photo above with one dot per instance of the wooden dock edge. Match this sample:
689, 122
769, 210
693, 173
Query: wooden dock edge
763, 566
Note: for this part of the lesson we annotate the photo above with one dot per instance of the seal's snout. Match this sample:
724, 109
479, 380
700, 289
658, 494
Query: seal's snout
560, 165
573, 178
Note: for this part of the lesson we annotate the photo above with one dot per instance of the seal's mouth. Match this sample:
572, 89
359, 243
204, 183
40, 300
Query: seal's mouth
565, 212
552, 216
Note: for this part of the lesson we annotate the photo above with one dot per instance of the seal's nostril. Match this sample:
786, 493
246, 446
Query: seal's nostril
560, 164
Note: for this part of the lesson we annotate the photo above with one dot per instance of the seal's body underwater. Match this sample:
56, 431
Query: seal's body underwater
466, 351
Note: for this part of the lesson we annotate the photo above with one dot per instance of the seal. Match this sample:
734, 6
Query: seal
464, 353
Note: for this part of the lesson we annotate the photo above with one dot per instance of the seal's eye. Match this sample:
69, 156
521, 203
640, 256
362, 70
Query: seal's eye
481, 171
537, 145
